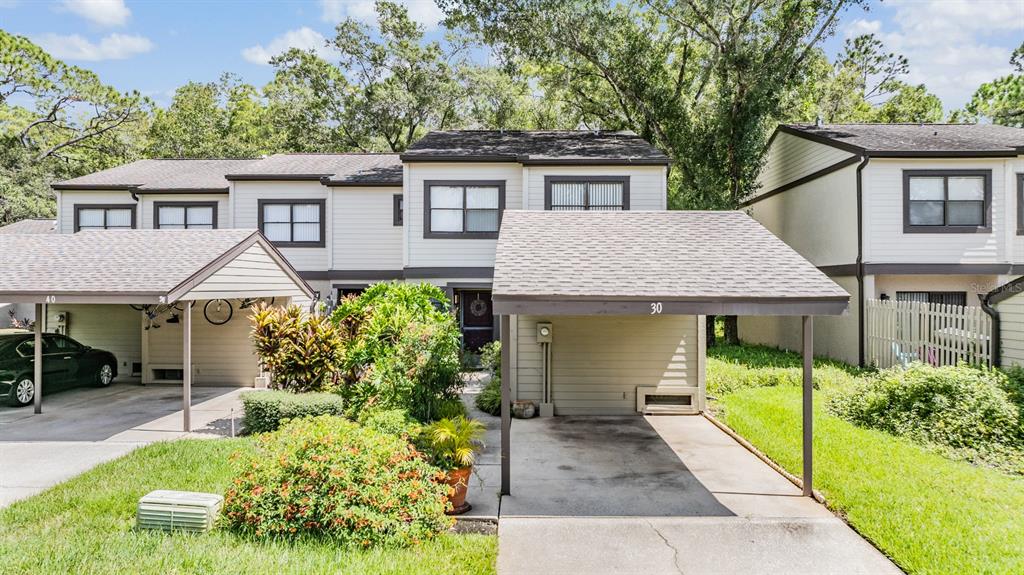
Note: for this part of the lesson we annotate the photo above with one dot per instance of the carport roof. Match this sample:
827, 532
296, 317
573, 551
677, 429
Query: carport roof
636, 262
123, 266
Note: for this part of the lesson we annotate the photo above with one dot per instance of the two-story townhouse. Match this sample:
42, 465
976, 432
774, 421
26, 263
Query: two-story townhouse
923, 212
601, 292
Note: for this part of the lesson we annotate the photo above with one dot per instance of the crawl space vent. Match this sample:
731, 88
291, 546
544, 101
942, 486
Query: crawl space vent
667, 400
182, 510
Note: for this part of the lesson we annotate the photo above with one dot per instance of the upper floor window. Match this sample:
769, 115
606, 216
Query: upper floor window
104, 217
462, 209
947, 201
293, 223
398, 210
1020, 204
582, 193
185, 215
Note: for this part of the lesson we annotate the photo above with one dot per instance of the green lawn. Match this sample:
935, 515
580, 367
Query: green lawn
928, 513
86, 525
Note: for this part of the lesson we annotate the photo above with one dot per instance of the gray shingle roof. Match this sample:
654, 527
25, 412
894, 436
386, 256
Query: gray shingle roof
157, 175
669, 255
30, 226
110, 261
922, 139
338, 169
536, 147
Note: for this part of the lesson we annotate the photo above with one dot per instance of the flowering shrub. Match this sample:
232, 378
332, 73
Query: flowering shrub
333, 478
401, 349
303, 352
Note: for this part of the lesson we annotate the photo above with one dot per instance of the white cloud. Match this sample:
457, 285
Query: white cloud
102, 12
952, 45
303, 38
112, 47
425, 12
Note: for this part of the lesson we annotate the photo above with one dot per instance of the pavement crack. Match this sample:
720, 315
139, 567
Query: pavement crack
675, 552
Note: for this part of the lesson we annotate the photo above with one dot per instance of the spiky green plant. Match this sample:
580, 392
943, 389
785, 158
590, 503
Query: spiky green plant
454, 443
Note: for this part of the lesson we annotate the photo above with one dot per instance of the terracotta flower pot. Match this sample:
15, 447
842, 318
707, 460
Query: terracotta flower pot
458, 479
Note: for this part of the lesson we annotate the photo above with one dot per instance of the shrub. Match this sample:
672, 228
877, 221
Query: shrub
401, 349
959, 407
267, 410
489, 398
303, 352
450, 409
330, 477
490, 357
394, 422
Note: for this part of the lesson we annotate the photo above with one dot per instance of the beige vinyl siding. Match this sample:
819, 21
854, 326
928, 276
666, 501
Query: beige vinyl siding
147, 201
834, 336
68, 199
114, 328
969, 284
817, 219
647, 184
884, 240
365, 237
792, 157
253, 273
1011, 330
246, 215
221, 354
598, 362
454, 252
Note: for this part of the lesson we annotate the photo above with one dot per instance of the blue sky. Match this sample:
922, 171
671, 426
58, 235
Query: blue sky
155, 46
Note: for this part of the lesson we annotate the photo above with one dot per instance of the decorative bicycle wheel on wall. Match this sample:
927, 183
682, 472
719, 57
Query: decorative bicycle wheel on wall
218, 311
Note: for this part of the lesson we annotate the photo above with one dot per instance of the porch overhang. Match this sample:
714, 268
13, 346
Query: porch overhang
653, 263
142, 267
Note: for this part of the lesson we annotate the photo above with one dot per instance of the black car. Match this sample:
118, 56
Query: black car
66, 363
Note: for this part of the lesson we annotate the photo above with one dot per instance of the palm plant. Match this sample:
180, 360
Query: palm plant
455, 442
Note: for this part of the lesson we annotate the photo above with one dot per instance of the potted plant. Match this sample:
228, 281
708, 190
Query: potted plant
453, 445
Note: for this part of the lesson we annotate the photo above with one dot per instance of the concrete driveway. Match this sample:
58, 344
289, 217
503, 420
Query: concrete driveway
81, 428
652, 495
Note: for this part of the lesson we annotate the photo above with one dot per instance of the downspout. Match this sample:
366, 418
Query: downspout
860, 259
986, 306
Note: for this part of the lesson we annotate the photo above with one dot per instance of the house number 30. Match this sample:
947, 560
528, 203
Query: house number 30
656, 308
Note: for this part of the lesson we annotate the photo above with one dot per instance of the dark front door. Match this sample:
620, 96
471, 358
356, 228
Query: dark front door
476, 318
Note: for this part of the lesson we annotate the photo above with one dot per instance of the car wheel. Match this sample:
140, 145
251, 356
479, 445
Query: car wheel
23, 392
105, 375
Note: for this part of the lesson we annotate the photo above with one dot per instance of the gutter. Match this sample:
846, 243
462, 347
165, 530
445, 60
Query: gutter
860, 258
986, 306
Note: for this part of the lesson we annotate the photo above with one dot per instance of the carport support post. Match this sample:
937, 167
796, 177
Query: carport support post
808, 416
506, 405
186, 369
37, 361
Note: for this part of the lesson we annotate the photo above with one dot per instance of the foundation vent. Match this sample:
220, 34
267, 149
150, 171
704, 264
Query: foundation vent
667, 400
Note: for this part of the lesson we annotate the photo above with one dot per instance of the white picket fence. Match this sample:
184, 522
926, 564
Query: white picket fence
939, 334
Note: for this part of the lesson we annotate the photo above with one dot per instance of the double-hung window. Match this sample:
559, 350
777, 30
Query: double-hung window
947, 201
586, 193
463, 209
293, 223
104, 217
185, 215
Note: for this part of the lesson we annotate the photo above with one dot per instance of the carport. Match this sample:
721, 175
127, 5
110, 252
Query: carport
653, 264
146, 268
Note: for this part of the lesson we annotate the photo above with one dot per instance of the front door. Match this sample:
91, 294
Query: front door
476, 318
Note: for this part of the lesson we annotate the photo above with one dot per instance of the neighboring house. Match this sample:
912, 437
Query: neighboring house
922, 212
24, 313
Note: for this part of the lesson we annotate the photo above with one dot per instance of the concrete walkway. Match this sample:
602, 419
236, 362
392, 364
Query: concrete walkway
82, 428
595, 495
